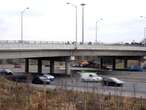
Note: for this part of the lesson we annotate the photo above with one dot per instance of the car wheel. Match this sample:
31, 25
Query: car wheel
104, 83
83, 80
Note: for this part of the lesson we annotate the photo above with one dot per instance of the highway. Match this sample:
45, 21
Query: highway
135, 83
131, 89
128, 90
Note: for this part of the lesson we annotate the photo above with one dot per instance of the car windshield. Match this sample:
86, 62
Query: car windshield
7, 70
116, 80
89, 74
43, 77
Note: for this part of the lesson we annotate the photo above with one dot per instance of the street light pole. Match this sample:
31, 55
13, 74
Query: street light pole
96, 29
144, 41
144, 32
76, 25
22, 12
82, 21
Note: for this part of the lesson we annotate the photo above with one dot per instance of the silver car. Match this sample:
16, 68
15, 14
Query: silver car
49, 76
112, 81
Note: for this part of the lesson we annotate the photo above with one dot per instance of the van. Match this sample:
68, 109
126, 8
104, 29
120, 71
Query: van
90, 77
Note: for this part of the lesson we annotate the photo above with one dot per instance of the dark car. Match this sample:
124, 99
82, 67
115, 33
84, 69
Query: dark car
8, 74
111, 81
49, 76
40, 80
135, 68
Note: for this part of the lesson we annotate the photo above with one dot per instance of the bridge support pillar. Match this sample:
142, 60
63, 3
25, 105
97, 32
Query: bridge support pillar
139, 62
51, 66
101, 63
67, 67
114, 63
26, 65
39, 66
125, 64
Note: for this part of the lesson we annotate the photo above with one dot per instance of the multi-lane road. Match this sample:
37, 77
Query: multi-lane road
135, 83
132, 87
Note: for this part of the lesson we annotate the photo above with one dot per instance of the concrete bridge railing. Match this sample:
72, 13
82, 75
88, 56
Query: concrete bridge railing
8, 44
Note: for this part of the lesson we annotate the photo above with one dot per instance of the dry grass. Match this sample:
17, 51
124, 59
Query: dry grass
15, 96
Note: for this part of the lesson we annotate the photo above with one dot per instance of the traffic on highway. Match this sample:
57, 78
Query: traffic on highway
84, 81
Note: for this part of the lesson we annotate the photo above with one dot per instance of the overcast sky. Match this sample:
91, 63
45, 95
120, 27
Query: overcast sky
54, 20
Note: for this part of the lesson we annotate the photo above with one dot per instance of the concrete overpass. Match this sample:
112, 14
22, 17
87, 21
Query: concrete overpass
15, 49
63, 50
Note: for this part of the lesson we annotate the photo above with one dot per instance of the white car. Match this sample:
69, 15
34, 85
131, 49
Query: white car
49, 76
90, 77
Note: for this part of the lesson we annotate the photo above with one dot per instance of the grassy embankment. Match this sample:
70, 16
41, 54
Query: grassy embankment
16, 96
